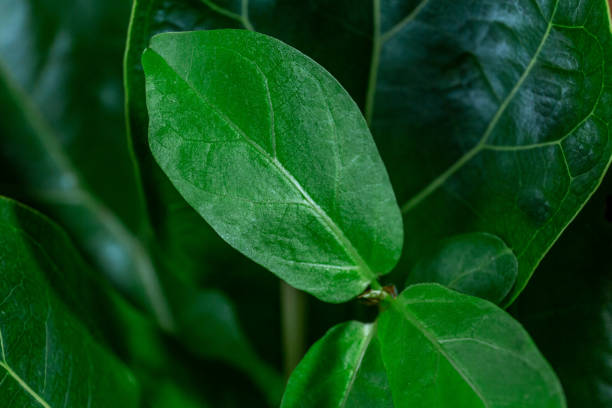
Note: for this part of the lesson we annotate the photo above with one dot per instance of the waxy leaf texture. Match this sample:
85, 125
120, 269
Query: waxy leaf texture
274, 154
490, 116
431, 347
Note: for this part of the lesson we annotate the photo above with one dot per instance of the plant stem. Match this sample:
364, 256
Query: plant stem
293, 311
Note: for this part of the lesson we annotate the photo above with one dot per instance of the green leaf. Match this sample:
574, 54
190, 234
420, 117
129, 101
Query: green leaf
492, 117
50, 354
567, 306
477, 264
180, 229
432, 347
439, 77
274, 154
343, 369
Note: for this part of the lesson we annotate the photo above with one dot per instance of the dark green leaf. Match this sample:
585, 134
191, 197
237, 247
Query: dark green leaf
274, 154
432, 347
567, 307
493, 117
49, 354
169, 395
477, 264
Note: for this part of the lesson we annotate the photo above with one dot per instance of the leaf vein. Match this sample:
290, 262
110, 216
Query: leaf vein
441, 179
323, 217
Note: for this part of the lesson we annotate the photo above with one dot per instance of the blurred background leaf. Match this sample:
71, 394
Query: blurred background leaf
65, 151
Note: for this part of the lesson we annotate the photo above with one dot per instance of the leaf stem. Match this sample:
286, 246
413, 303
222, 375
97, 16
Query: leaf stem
293, 311
376, 45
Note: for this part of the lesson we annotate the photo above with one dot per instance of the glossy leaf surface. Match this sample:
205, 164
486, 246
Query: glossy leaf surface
179, 228
50, 354
343, 369
477, 264
490, 117
510, 132
274, 154
432, 347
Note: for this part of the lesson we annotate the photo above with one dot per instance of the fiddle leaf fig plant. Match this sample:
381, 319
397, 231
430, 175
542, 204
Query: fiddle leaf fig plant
401, 167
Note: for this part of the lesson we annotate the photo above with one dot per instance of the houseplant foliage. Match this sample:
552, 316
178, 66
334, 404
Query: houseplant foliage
422, 155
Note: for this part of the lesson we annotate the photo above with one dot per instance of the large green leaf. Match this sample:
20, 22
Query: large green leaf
180, 229
498, 112
432, 347
475, 107
567, 307
274, 154
51, 352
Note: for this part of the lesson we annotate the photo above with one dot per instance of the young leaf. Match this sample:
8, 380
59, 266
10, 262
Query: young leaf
477, 264
50, 354
432, 347
274, 154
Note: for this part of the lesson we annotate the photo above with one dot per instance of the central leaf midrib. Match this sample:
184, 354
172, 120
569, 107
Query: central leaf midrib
366, 344
413, 320
324, 218
17, 378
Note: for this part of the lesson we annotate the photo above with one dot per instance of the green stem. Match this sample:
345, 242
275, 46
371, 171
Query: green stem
293, 311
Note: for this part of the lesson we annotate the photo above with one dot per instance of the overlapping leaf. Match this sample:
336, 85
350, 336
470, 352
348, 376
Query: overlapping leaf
432, 347
490, 117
